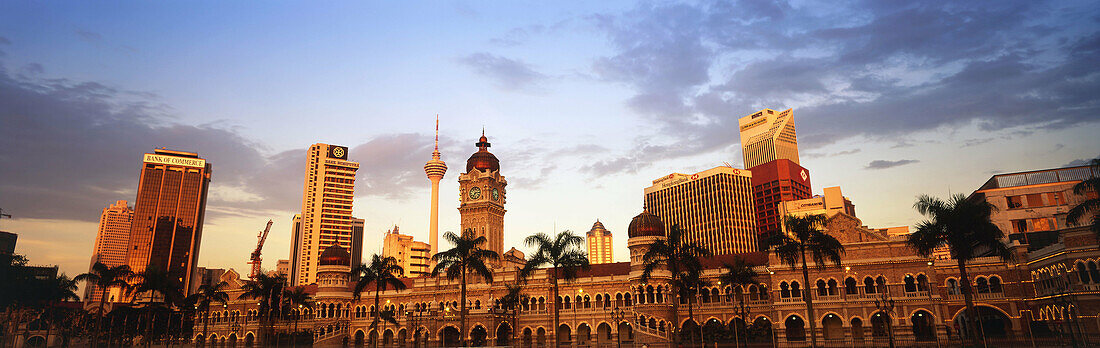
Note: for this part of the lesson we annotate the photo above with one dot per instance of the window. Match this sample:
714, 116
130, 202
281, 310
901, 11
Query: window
1015, 202
795, 291
1019, 226
910, 283
1082, 273
953, 287
1042, 224
1035, 200
850, 286
821, 289
868, 285
1056, 198
995, 285
982, 285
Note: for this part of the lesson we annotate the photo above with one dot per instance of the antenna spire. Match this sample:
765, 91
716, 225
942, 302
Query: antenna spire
436, 132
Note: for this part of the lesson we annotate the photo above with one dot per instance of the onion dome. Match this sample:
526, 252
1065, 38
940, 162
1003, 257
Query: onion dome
483, 160
646, 224
335, 255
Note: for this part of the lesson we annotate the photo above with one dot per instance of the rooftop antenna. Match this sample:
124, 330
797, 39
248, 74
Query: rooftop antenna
436, 132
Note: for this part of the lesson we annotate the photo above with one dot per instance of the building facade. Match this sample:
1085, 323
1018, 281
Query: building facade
1032, 205
832, 201
357, 226
413, 256
768, 135
168, 214
295, 250
600, 246
773, 183
714, 208
326, 208
482, 197
111, 241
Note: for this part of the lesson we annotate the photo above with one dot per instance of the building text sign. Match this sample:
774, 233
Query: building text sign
175, 161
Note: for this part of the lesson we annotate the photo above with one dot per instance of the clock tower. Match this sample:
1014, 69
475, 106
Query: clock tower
481, 197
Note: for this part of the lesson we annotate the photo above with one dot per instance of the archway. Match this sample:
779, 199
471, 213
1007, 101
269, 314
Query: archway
477, 336
795, 328
527, 339
626, 333
249, 340
993, 323
833, 327
584, 335
373, 338
857, 329
923, 328
199, 339
714, 331
564, 336
387, 337
761, 330
738, 330
603, 335
420, 337
504, 335
689, 332
879, 323
36, 341
402, 336
359, 338
450, 336
540, 337
232, 342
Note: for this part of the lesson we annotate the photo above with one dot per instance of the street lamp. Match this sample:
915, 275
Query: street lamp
617, 316
885, 304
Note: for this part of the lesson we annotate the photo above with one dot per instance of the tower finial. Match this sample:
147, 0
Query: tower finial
482, 130
436, 132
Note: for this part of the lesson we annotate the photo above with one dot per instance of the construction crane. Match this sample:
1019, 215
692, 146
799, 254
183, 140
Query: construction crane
256, 253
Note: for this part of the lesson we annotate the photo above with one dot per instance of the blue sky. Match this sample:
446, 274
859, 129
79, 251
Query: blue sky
585, 103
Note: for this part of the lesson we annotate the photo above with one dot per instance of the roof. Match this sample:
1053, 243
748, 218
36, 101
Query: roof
1035, 177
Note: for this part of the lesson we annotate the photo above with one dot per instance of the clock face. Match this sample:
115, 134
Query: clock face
496, 195
475, 193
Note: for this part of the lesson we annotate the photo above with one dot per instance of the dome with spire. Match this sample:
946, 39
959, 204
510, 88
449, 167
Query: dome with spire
483, 160
334, 255
646, 224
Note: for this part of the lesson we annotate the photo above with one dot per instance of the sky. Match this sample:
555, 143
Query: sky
585, 103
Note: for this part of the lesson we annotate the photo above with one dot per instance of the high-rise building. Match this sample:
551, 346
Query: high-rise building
357, 241
168, 214
410, 254
295, 250
435, 169
1032, 206
775, 182
481, 192
713, 207
282, 267
110, 248
7, 242
828, 204
768, 135
599, 244
326, 208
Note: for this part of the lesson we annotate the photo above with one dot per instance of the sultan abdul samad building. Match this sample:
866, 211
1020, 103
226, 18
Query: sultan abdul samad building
1052, 286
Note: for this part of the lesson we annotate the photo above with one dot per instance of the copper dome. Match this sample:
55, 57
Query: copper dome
483, 160
335, 255
646, 224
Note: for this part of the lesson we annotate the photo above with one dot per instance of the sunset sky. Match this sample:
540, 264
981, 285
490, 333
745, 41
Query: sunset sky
585, 104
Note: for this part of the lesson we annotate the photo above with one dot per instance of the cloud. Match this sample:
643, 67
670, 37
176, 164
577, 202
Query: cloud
88, 36
834, 154
1079, 162
508, 74
73, 147
880, 70
883, 164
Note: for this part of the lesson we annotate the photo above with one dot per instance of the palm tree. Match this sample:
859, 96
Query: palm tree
511, 302
1092, 184
738, 275
159, 285
207, 294
57, 289
465, 257
680, 258
564, 255
691, 281
964, 227
382, 272
105, 278
296, 297
805, 235
269, 289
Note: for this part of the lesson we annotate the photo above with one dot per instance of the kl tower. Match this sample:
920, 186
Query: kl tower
435, 169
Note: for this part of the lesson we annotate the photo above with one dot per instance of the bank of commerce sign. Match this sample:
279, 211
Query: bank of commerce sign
175, 161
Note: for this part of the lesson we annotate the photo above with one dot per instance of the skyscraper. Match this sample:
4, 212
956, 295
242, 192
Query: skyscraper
774, 182
168, 214
599, 244
356, 241
767, 136
110, 247
410, 254
326, 208
481, 191
713, 208
435, 169
295, 249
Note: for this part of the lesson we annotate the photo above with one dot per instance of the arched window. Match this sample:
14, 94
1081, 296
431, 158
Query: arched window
850, 286
1094, 273
566, 302
953, 287
763, 292
982, 285
910, 283
619, 300
832, 287
868, 285
795, 291
1082, 273
587, 302
627, 300
753, 295
599, 300
995, 285
716, 295
822, 290
880, 283
784, 290
649, 295
922, 282
477, 304
660, 295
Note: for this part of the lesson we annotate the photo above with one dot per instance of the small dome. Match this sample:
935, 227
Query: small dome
483, 160
598, 226
335, 255
646, 224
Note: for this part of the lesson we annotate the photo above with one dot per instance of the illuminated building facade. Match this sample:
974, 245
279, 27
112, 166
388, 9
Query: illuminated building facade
1032, 205
357, 241
775, 182
768, 135
413, 256
110, 248
168, 214
831, 202
482, 197
713, 207
326, 208
295, 251
599, 244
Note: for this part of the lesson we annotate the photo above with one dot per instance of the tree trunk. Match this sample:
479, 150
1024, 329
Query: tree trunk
377, 309
557, 303
205, 325
102, 315
971, 312
808, 299
462, 312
